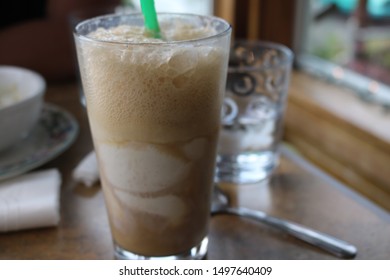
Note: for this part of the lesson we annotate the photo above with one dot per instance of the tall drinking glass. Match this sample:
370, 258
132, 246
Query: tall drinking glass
154, 111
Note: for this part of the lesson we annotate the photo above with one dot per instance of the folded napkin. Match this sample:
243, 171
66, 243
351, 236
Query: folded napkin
87, 171
30, 201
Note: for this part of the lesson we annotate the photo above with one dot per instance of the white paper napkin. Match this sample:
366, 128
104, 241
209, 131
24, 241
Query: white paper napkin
87, 171
30, 201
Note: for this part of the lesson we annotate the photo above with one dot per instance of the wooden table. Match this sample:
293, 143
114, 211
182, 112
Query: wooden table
298, 192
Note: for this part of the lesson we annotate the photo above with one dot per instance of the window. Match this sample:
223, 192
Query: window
347, 41
346, 132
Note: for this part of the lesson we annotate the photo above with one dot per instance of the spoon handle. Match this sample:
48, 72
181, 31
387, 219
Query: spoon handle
327, 242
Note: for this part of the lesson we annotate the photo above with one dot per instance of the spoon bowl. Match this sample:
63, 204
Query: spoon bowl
339, 248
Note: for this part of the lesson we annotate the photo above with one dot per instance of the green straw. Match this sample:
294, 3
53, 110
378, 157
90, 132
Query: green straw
150, 18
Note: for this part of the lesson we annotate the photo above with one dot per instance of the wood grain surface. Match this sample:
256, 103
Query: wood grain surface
347, 137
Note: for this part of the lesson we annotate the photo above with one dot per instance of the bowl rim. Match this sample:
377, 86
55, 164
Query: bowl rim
38, 93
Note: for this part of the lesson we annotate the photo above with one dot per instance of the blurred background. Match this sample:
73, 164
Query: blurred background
352, 33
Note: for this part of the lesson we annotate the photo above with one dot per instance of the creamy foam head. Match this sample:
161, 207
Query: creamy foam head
152, 92
172, 30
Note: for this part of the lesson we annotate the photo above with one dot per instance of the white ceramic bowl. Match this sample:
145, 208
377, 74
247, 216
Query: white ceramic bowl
21, 101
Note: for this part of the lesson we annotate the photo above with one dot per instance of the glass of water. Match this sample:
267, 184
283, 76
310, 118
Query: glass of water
252, 117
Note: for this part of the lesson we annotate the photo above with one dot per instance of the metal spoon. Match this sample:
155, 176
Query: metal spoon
340, 248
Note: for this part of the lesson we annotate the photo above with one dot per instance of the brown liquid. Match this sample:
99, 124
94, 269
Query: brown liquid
154, 114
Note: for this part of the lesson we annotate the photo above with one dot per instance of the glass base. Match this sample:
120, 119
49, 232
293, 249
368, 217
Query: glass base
197, 252
245, 168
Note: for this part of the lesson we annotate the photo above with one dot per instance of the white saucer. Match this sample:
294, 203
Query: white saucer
55, 132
